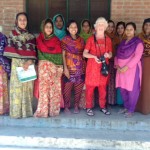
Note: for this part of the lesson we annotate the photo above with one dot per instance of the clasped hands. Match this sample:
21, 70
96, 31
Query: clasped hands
121, 69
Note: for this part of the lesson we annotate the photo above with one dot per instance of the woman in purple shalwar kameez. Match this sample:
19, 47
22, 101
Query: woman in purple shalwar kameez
4, 72
129, 69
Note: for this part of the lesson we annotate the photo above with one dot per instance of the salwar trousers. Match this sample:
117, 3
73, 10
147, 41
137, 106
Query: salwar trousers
89, 96
130, 98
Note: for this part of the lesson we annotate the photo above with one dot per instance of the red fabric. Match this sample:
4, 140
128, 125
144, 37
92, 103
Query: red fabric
102, 96
77, 93
26, 53
93, 74
36, 93
17, 47
51, 46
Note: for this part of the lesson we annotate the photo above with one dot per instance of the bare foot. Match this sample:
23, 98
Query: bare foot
76, 110
67, 111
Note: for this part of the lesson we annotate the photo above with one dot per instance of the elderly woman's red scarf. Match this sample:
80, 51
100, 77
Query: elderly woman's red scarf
21, 44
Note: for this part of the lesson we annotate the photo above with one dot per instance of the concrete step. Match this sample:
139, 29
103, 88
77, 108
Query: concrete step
75, 139
115, 121
27, 148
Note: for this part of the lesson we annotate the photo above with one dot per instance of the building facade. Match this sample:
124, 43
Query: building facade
117, 10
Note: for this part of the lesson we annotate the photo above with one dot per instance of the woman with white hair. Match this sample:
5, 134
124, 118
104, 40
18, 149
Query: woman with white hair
98, 50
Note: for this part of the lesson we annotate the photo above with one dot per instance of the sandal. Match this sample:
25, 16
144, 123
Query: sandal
105, 111
128, 115
122, 111
89, 112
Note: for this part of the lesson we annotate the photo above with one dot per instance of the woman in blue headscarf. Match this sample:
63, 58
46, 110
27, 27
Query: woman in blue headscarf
59, 26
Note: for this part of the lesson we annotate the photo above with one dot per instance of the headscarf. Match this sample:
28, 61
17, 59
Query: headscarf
60, 33
20, 43
125, 50
49, 47
145, 39
4, 61
84, 35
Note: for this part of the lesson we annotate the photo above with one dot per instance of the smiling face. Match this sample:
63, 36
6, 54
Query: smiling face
146, 28
73, 29
120, 29
21, 21
59, 22
100, 27
110, 27
129, 31
48, 29
86, 27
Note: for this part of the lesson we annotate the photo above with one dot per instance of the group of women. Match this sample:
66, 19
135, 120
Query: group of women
106, 58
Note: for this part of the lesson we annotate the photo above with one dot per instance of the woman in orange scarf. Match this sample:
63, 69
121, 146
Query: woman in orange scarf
111, 99
143, 105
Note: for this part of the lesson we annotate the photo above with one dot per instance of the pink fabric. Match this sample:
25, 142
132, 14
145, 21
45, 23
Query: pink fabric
126, 80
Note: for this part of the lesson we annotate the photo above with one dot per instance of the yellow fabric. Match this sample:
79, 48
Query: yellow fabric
21, 94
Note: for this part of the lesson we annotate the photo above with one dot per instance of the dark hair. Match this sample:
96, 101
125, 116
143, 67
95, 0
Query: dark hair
132, 24
21, 13
120, 23
48, 20
69, 23
110, 21
145, 21
60, 17
88, 21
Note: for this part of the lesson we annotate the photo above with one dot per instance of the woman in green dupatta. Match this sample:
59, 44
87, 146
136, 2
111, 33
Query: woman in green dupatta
49, 71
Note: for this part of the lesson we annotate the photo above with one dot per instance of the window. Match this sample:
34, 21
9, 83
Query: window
76, 9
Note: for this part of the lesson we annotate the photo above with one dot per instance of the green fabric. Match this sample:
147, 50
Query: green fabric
84, 35
119, 97
57, 59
